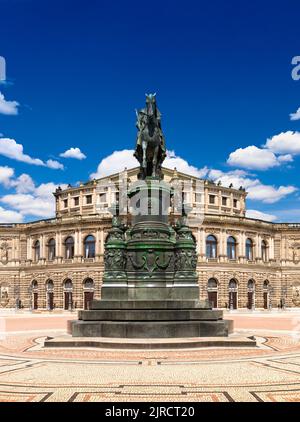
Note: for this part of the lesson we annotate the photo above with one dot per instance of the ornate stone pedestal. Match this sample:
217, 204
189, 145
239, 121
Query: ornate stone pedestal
150, 285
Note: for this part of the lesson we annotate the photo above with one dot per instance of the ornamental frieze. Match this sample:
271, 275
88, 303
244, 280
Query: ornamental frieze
213, 230
233, 232
250, 234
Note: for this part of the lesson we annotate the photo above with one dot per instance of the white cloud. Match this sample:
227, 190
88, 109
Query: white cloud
295, 116
53, 164
287, 158
258, 215
253, 158
73, 153
28, 204
30, 200
118, 160
9, 216
285, 143
23, 184
8, 107
114, 163
6, 173
11, 149
267, 194
183, 166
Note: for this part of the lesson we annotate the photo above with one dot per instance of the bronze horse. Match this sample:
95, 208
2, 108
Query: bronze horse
150, 147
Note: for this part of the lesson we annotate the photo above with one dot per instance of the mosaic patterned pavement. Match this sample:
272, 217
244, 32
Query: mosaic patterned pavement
269, 373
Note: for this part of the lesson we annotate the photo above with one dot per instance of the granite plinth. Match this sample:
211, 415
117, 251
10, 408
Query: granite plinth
150, 319
150, 329
149, 344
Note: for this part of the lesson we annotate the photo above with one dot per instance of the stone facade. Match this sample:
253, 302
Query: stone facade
58, 263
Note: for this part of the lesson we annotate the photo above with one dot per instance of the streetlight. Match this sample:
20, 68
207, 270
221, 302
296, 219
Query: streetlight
270, 297
30, 297
17, 296
284, 295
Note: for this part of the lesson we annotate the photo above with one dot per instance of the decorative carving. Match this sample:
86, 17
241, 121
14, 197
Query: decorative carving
185, 260
5, 252
151, 261
115, 259
296, 294
4, 295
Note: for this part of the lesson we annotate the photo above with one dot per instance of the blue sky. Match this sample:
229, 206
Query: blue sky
76, 70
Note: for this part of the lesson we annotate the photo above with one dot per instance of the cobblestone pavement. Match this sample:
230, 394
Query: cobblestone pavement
270, 372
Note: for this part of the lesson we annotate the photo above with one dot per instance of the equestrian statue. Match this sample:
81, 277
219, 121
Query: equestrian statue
150, 148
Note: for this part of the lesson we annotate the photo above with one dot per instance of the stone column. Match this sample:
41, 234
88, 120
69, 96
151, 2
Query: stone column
205, 199
80, 201
271, 248
242, 246
43, 247
80, 247
29, 248
76, 246
97, 241
198, 241
60, 246
223, 244
101, 241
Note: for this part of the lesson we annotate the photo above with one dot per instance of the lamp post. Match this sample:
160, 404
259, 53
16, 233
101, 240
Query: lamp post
30, 297
17, 297
230, 299
284, 295
270, 297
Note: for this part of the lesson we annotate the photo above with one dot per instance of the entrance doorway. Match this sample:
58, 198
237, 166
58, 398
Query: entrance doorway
35, 296
35, 300
50, 295
68, 295
233, 294
88, 293
212, 292
88, 297
266, 294
251, 294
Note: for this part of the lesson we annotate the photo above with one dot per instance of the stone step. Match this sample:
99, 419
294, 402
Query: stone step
149, 304
150, 329
150, 315
150, 344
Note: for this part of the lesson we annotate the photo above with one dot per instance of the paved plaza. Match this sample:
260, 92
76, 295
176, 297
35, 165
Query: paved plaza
270, 372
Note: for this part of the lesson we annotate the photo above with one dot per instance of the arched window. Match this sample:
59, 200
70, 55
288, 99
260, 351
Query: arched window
212, 284
34, 285
68, 285
264, 250
251, 285
211, 247
266, 285
69, 247
231, 248
51, 249
37, 250
49, 286
88, 283
89, 246
232, 284
249, 249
